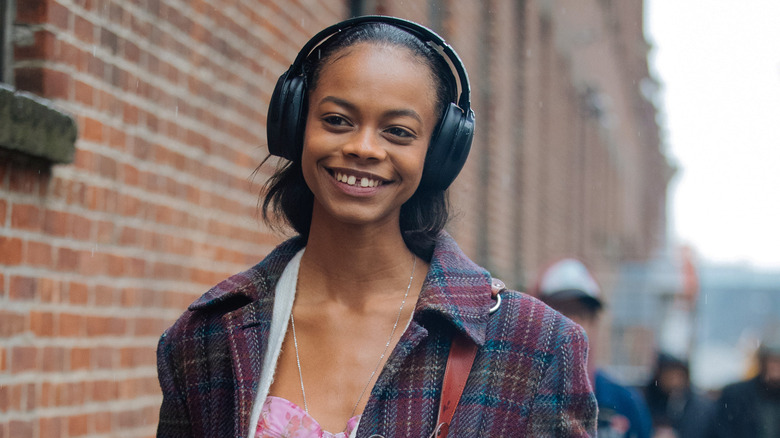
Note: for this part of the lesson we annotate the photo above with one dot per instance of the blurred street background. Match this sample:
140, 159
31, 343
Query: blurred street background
637, 136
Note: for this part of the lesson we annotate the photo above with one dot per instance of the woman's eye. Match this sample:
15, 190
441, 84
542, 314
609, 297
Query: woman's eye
335, 120
396, 131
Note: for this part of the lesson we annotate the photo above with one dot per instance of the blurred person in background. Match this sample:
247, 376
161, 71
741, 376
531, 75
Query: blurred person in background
751, 408
568, 287
677, 408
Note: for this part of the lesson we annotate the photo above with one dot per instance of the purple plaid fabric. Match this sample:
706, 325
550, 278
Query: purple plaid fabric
529, 378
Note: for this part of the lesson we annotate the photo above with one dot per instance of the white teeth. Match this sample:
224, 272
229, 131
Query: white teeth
352, 180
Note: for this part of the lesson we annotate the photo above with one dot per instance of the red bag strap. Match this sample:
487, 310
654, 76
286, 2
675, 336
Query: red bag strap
462, 353
461, 358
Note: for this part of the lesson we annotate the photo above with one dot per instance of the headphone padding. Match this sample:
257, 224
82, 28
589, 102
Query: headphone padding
286, 117
450, 145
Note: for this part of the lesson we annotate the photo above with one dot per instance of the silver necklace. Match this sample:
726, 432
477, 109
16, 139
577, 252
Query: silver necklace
376, 368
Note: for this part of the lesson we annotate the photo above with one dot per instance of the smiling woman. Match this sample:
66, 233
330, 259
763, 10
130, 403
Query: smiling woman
350, 326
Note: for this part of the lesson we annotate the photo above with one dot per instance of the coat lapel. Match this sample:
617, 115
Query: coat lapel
248, 332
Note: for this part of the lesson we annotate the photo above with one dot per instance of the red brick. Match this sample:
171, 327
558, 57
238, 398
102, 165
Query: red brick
57, 223
51, 427
26, 217
81, 228
79, 358
105, 325
93, 262
84, 93
18, 428
59, 15
31, 11
13, 398
11, 323
42, 323
47, 395
101, 423
132, 357
150, 326
10, 251
77, 425
29, 79
56, 84
108, 103
3, 366
3, 205
104, 390
24, 180
31, 397
49, 290
70, 325
105, 232
37, 254
95, 66
129, 206
136, 267
130, 114
132, 53
22, 288
103, 357
106, 166
84, 30
78, 293
54, 359
109, 40
71, 55
130, 174
117, 138
104, 296
91, 130
67, 259
24, 359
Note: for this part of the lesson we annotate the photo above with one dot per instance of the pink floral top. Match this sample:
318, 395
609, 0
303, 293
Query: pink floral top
281, 418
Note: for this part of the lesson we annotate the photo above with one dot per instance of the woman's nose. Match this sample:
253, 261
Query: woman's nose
365, 145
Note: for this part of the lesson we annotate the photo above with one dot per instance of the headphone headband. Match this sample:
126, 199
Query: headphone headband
421, 32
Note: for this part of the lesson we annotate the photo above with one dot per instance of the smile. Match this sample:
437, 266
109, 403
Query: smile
357, 181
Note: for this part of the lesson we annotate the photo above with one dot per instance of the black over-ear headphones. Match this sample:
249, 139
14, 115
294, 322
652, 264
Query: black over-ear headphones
451, 139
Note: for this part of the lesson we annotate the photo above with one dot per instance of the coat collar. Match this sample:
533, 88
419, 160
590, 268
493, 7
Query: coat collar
455, 289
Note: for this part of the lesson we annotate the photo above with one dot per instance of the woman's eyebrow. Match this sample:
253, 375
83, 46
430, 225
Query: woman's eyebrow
391, 113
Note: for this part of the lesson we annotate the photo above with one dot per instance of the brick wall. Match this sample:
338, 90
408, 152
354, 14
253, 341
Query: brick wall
98, 257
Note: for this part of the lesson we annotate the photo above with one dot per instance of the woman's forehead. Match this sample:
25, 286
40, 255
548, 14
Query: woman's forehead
369, 60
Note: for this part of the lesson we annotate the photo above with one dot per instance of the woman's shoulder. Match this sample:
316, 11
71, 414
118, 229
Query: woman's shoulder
532, 325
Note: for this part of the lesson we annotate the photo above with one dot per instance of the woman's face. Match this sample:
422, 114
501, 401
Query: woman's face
369, 125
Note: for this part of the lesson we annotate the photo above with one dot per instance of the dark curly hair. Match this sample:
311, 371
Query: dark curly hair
425, 214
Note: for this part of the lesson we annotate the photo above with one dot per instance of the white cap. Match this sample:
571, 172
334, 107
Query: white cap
569, 278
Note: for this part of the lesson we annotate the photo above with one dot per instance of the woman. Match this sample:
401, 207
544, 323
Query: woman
347, 327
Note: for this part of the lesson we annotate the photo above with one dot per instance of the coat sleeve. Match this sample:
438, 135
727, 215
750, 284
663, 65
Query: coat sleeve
174, 419
565, 405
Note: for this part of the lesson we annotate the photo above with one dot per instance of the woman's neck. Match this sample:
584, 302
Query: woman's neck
353, 263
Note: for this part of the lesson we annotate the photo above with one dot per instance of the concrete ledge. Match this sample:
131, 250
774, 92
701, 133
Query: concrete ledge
32, 126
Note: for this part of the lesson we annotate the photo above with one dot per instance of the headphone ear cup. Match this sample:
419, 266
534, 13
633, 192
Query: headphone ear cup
286, 117
450, 145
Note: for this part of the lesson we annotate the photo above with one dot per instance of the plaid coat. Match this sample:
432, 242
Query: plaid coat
529, 378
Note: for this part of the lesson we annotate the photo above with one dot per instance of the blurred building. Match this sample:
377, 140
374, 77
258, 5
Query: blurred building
738, 304
107, 235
